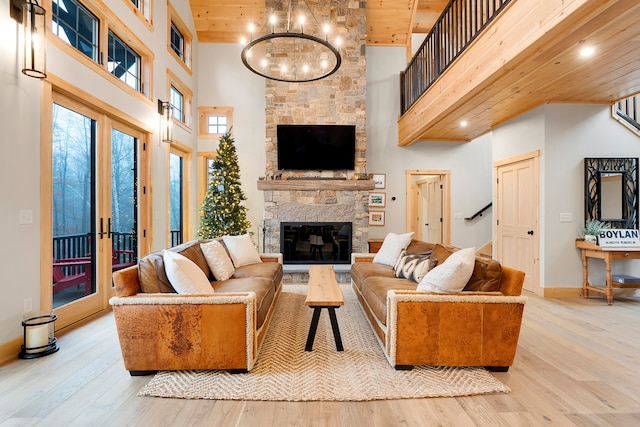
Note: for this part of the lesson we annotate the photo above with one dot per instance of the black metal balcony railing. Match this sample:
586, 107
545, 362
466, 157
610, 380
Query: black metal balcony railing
79, 246
628, 110
460, 23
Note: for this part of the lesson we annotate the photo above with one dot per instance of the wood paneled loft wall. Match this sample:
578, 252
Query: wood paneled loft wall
530, 55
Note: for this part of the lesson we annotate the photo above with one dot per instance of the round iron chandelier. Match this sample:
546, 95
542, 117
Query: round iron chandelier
289, 55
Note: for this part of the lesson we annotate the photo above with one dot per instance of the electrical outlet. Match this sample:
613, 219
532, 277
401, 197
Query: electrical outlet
28, 305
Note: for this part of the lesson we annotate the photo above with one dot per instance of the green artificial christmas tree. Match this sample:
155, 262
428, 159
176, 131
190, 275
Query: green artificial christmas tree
222, 212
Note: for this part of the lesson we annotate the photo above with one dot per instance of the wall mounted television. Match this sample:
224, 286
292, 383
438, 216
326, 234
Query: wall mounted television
316, 147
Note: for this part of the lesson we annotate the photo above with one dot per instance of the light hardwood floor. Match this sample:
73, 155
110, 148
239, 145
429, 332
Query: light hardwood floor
578, 363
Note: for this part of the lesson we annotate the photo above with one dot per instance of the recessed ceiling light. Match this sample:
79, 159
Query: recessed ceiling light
463, 123
585, 52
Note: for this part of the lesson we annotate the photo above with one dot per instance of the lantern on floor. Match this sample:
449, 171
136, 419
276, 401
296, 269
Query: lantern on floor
39, 339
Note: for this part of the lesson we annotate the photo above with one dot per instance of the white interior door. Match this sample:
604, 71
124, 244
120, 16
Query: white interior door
434, 209
517, 224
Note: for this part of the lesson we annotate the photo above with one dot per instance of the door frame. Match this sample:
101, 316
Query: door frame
535, 156
445, 176
108, 117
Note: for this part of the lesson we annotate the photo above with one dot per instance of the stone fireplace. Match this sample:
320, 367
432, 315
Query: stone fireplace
338, 99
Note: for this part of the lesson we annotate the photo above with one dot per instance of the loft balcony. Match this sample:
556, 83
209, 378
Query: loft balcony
527, 56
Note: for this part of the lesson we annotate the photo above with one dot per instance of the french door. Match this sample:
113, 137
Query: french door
94, 206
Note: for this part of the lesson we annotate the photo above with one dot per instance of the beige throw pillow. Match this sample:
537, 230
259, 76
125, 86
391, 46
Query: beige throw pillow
184, 275
391, 248
242, 250
452, 275
218, 260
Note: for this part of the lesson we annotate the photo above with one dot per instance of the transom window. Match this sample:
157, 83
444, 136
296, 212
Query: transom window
123, 62
75, 25
215, 121
177, 103
217, 124
177, 41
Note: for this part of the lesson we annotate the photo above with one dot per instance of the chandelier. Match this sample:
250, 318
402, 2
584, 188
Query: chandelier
291, 55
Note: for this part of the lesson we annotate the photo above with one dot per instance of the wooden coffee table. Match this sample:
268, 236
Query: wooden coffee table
323, 292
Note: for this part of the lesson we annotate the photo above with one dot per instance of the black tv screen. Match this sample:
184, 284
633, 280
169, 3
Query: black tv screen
316, 147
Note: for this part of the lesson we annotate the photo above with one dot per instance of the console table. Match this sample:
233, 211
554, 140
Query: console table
591, 250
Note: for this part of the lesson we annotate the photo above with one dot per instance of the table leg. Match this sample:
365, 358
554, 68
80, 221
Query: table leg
609, 289
585, 275
312, 330
336, 329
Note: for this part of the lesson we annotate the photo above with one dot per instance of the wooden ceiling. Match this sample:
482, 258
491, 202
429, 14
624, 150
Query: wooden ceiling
389, 22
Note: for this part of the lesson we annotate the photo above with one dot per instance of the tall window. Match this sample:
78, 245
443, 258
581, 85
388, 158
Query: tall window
75, 25
124, 62
177, 41
177, 103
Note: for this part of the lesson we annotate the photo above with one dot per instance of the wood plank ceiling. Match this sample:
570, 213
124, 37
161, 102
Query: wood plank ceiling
542, 72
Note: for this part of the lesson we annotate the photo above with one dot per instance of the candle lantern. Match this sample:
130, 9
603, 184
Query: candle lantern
39, 339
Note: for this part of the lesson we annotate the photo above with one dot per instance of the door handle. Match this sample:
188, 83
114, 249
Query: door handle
530, 232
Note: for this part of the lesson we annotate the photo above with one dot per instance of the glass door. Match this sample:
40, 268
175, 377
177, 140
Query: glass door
95, 171
176, 199
73, 205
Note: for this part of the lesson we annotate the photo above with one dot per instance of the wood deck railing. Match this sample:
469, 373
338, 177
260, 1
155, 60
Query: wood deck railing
458, 25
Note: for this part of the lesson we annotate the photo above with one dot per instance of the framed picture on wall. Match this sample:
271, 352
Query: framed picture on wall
377, 200
376, 217
380, 180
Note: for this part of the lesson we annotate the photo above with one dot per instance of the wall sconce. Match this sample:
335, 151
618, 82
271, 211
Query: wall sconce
38, 337
32, 16
166, 121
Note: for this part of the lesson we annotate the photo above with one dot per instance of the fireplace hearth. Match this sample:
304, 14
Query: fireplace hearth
316, 242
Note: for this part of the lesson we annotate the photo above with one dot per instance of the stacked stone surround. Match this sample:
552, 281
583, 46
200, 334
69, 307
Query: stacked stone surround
338, 99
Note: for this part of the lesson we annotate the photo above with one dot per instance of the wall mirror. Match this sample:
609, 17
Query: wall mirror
611, 191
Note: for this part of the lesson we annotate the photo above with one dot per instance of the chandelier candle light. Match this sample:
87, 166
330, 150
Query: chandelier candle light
290, 55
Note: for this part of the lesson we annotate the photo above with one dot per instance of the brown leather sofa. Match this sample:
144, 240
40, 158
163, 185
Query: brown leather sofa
159, 329
476, 327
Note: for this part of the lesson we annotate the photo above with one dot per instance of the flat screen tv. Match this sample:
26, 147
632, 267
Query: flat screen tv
316, 147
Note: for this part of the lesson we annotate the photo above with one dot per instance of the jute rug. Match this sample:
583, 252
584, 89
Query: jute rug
285, 372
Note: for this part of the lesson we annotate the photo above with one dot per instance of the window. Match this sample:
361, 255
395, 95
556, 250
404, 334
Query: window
214, 121
177, 41
180, 98
142, 9
75, 25
177, 103
124, 62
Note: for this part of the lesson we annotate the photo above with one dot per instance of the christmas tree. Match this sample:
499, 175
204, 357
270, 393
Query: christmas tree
222, 212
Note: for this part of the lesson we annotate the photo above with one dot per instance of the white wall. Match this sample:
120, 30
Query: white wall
470, 163
565, 134
20, 110
225, 82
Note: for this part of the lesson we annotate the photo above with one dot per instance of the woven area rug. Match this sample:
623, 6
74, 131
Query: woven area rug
285, 372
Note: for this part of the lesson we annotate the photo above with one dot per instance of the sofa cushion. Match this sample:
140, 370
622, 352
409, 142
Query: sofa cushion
419, 247
391, 248
374, 291
262, 287
184, 275
151, 273
242, 250
267, 270
487, 272
217, 259
413, 266
361, 271
452, 275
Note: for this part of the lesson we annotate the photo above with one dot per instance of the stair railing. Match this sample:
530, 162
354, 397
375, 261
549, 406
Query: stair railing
459, 24
627, 112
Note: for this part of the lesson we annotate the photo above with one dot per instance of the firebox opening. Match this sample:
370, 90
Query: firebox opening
315, 242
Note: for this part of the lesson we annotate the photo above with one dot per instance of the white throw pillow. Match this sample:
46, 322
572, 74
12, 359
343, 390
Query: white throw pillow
184, 275
217, 259
392, 247
452, 275
242, 250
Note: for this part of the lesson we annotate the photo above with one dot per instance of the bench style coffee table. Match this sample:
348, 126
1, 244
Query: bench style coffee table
323, 292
